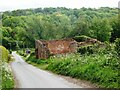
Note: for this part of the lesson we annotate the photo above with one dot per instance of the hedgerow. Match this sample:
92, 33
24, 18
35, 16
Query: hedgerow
100, 69
6, 77
117, 47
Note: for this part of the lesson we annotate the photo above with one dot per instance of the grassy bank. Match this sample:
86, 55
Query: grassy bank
100, 67
97, 68
6, 77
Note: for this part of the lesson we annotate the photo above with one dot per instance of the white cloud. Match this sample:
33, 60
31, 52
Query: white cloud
23, 4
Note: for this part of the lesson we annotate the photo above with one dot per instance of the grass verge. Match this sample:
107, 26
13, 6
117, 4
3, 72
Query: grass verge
101, 69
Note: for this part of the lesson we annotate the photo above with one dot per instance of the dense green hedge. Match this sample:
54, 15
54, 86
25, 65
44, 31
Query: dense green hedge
100, 69
117, 47
6, 77
87, 49
3, 54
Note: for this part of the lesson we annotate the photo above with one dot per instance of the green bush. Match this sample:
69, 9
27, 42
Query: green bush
81, 38
22, 52
87, 49
7, 77
99, 65
97, 68
117, 47
33, 59
3, 54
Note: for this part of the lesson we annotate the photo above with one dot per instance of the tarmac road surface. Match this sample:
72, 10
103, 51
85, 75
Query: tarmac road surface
28, 76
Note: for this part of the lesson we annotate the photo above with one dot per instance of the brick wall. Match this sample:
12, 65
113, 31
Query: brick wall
46, 48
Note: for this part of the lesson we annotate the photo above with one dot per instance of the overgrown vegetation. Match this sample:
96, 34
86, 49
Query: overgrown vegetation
6, 77
101, 67
96, 68
117, 47
99, 64
81, 38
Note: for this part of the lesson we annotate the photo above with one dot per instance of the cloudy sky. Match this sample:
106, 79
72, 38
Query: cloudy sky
6, 5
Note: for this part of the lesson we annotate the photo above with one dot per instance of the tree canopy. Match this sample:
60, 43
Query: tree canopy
55, 23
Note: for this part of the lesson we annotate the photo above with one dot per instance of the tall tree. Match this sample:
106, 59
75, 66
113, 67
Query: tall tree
100, 29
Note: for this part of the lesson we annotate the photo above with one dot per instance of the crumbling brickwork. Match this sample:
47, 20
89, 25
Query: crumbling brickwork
46, 48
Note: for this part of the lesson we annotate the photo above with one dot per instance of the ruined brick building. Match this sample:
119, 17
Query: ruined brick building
45, 48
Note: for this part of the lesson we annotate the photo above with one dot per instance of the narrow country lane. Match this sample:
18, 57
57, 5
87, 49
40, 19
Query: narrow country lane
29, 76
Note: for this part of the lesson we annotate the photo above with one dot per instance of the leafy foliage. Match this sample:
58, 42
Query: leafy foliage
87, 49
22, 27
100, 29
6, 78
3, 54
89, 67
55, 23
101, 67
81, 38
117, 47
